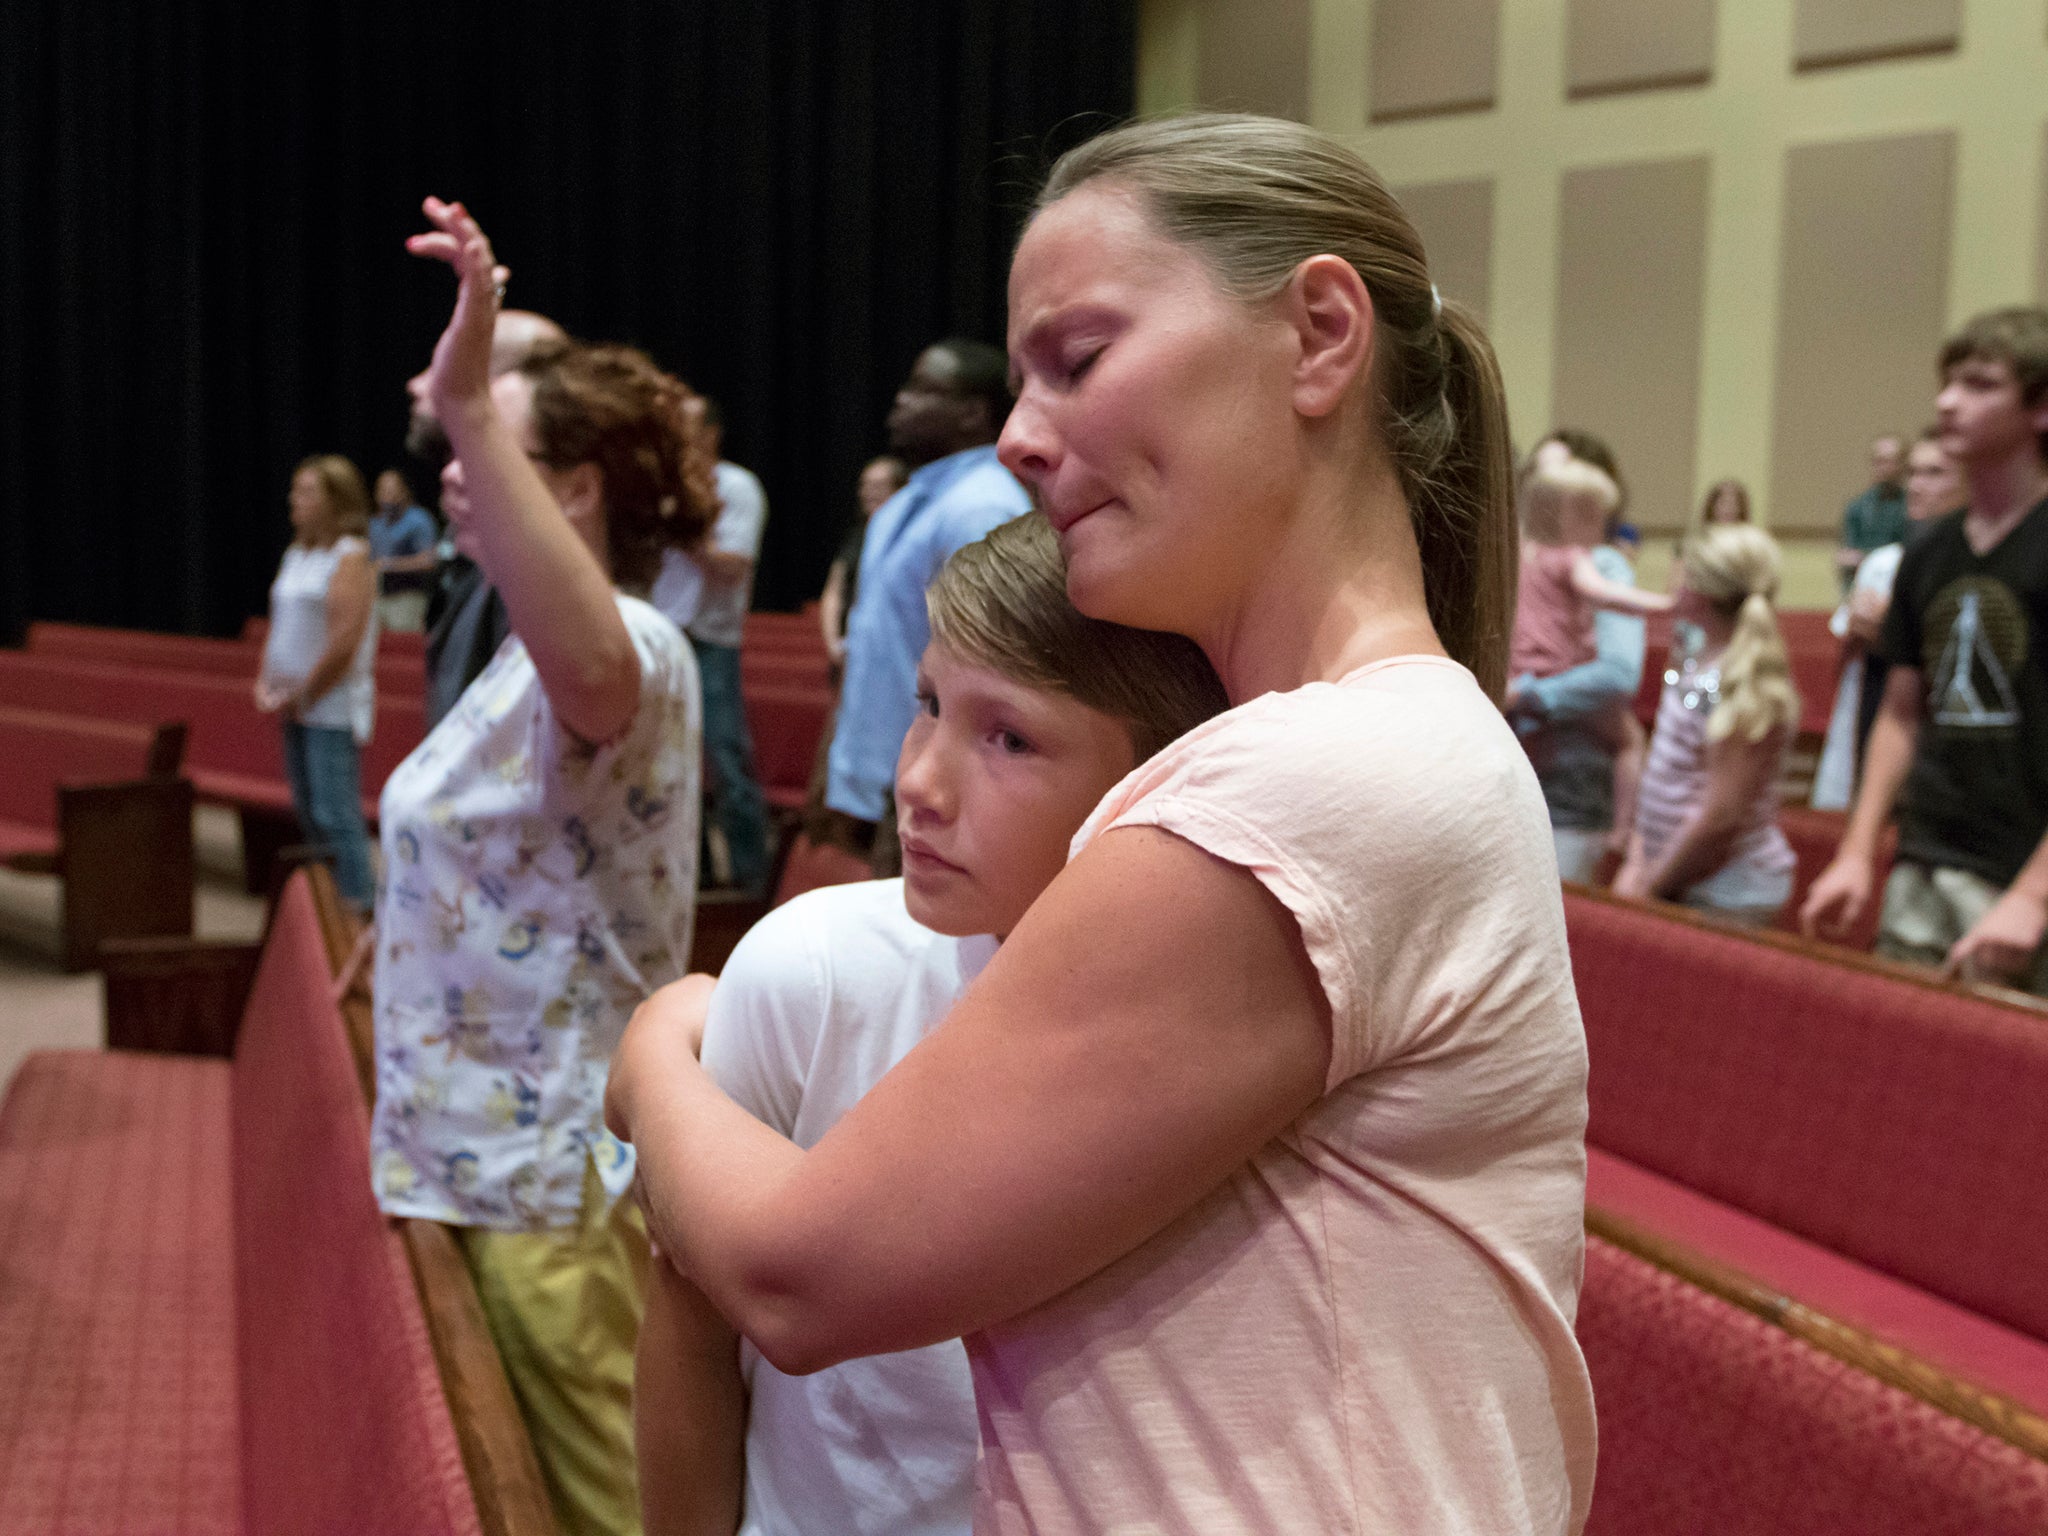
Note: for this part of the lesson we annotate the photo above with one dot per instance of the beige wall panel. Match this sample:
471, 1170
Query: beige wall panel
1630, 298
1862, 300
1613, 46
2041, 230
1253, 56
1430, 56
1456, 222
1829, 32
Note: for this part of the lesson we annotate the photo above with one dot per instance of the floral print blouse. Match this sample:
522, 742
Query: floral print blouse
536, 889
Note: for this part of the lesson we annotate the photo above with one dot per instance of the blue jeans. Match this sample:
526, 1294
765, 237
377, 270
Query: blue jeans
737, 807
325, 770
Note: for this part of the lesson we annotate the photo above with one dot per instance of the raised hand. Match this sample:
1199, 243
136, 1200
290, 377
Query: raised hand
461, 370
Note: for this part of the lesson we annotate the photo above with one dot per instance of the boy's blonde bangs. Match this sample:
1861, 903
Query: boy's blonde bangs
1001, 603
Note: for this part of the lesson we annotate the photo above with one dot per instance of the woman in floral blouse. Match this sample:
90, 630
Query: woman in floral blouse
540, 864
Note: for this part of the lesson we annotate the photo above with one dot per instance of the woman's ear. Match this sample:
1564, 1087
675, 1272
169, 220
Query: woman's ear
1331, 311
581, 489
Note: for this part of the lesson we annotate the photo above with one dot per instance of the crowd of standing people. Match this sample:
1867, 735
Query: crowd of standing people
1220, 702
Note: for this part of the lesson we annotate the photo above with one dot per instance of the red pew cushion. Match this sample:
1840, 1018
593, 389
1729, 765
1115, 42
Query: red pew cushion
344, 1423
117, 1298
18, 838
1896, 1123
1968, 1346
1714, 1421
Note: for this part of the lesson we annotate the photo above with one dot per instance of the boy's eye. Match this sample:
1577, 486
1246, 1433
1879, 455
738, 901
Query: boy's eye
1012, 743
927, 703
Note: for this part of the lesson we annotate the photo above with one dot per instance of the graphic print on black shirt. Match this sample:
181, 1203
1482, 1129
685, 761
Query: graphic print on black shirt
1977, 795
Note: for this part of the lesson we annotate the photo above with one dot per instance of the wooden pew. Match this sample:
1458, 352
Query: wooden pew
100, 805
215, 1328
1840, 1147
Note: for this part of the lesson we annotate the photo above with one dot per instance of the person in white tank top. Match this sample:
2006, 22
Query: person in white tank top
1252, 1166
319, 663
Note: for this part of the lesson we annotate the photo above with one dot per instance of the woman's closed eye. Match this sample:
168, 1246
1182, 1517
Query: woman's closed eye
1077, 369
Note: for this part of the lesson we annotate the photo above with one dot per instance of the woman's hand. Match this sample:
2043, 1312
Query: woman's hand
271, 696
1633, 879
664, 1036
460, 374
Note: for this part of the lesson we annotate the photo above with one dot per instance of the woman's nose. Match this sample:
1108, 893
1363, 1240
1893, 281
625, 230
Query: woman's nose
1027, 446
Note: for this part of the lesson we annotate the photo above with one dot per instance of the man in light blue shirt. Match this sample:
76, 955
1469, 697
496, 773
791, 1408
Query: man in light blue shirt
944, 421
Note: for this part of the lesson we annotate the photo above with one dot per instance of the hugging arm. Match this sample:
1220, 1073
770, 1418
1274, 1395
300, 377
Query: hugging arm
1004, 1159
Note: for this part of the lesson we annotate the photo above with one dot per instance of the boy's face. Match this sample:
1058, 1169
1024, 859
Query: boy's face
1980, 416
1583, 520
994, 780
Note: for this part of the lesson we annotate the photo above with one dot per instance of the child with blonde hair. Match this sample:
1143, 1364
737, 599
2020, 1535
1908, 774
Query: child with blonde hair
1566, 504
1707, 833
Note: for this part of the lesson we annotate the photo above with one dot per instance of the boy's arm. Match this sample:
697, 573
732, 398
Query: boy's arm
689, 1412
1598, 590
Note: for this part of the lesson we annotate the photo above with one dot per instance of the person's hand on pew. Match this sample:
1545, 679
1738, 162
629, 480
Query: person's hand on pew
1836, 899
2001, 944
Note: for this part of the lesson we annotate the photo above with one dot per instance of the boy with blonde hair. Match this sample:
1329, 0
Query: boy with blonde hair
1028, 714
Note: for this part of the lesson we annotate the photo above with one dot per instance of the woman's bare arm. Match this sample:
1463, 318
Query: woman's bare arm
557, 596
1152, 1023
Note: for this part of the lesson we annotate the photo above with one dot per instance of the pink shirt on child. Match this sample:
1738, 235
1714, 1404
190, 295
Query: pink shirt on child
1368, 1327
1553, 624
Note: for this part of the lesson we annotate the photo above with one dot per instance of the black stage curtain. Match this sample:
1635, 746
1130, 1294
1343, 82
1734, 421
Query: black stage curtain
203, 204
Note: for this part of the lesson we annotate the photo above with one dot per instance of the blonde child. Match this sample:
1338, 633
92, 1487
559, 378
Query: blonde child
1029, 714
1566, 506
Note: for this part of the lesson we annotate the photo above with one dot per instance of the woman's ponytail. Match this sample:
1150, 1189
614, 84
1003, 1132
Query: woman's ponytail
1735, 566
1464, 507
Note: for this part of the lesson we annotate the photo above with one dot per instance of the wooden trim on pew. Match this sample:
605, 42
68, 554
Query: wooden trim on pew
1997, 1416
497, 1452
1817, 949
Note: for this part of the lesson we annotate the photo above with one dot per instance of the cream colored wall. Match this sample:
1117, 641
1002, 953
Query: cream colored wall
1991, 91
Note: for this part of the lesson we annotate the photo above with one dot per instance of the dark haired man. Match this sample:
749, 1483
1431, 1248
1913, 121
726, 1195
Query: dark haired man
1960, 742
944, 425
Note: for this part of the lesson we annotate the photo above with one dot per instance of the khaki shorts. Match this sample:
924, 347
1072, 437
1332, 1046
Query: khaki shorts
1927, 908
564, 1307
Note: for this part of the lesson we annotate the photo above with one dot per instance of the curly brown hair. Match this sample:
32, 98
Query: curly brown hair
611, 406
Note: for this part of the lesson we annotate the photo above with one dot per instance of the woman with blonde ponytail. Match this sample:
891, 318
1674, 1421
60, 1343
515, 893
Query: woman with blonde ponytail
1252, 1168
1707, 830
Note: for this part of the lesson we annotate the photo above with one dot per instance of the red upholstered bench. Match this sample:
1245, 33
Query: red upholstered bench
400, 669
205, 1322
234, 754
786, 721
1836, 1129
1717, 1421
101, 806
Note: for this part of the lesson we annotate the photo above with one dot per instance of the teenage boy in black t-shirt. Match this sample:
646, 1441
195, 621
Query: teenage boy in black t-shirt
1963, 729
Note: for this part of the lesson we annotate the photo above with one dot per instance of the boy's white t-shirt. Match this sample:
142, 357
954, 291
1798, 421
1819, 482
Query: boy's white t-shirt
822, 997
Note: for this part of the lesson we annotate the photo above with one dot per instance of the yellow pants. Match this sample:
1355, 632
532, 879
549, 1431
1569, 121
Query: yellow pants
564, 1307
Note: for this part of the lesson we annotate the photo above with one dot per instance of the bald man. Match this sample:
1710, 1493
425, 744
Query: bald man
468, 623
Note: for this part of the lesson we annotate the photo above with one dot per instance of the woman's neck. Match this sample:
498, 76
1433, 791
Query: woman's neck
1341, 588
